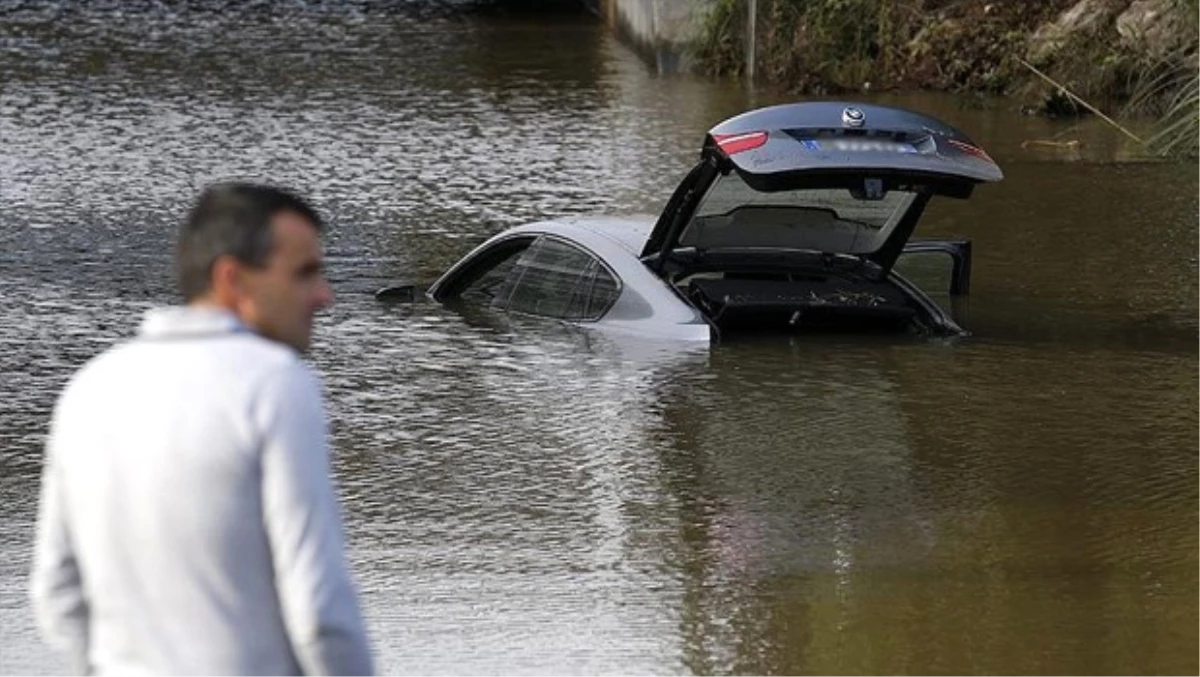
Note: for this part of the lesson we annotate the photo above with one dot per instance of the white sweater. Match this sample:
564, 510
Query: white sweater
188, 523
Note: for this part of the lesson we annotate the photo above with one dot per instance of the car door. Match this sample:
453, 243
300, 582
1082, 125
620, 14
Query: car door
938, 267
554, 278
941, 271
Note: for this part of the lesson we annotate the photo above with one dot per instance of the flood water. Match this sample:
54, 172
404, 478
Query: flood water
528, 498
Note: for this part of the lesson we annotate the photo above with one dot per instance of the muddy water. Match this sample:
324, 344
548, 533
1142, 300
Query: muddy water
525, 498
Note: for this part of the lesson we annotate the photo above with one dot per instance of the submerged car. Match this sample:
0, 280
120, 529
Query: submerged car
793, 220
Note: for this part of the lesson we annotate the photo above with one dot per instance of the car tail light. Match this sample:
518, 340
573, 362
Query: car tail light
969, 149
736, 143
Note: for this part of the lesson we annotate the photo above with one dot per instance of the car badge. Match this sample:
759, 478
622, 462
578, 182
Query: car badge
853, 117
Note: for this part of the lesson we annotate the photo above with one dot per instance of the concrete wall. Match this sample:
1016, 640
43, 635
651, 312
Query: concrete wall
658, 29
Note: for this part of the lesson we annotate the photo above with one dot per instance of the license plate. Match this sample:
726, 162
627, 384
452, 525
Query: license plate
859, 146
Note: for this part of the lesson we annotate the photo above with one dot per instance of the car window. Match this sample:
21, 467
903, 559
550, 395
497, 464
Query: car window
484, 275
555, 279
733, 214
594, 295
485, 288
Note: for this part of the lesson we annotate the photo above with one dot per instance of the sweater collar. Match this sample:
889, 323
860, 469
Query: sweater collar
189, 322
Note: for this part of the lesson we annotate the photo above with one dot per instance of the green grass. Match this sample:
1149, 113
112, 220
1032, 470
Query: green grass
1168, 87
818, 46
1176, 99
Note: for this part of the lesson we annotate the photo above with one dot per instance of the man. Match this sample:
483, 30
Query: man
188, 523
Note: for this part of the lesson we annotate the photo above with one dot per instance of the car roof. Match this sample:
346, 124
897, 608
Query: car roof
645, 306
628, 230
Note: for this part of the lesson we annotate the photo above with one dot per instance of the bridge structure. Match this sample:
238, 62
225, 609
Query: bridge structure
658, 30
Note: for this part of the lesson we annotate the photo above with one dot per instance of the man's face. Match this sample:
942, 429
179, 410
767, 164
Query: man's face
280, 299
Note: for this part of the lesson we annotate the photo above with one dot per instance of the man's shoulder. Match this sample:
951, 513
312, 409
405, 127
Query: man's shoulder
244, 358
252, 354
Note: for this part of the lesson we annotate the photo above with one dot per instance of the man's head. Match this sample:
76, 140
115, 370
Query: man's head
256, 251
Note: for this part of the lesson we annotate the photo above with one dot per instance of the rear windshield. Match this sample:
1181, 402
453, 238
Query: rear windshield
733, 214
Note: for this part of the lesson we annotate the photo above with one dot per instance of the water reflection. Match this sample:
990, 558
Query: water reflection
778, 507
857, 515
495, 479
1039, 523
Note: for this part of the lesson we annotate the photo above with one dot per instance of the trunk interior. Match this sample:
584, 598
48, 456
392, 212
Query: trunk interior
758, 302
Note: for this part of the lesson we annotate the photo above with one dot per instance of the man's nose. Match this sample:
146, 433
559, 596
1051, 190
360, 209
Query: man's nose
324, 294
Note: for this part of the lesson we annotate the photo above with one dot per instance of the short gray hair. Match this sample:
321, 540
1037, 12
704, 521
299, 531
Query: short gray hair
231, 219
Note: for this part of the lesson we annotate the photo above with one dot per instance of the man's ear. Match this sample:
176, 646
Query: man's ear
226, 276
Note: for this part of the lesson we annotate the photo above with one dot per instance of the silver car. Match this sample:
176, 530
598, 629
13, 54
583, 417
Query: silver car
793, 221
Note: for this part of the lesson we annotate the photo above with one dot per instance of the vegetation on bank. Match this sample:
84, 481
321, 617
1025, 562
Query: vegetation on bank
1130, 57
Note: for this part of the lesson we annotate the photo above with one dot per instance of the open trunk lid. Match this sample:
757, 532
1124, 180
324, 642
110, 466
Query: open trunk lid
837, 178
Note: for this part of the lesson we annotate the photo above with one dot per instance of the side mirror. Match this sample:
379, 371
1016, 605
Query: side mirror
401, 293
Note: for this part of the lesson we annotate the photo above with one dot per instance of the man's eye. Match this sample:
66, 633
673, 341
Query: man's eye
309, 271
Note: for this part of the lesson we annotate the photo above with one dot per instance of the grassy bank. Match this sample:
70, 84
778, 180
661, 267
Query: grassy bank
841, 45
831, 46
